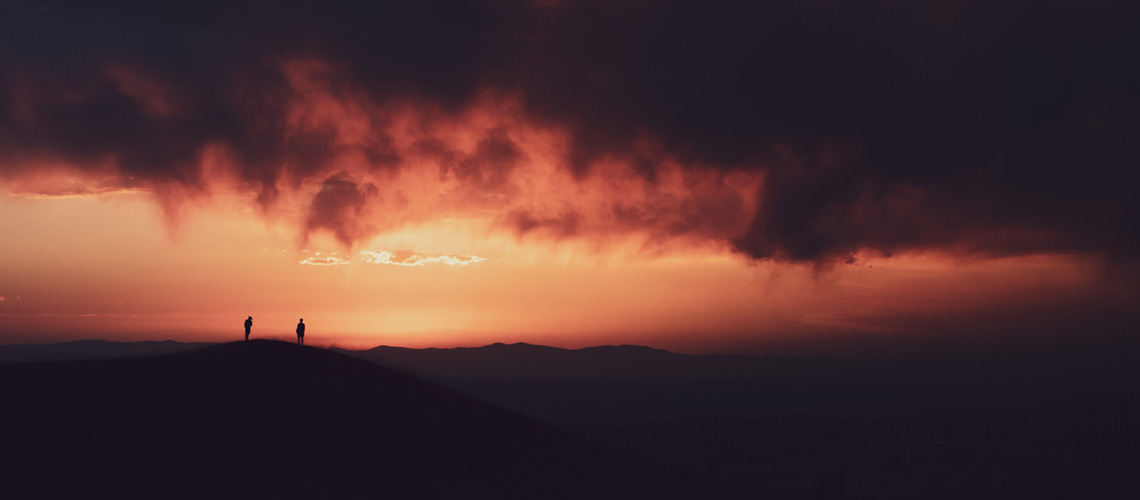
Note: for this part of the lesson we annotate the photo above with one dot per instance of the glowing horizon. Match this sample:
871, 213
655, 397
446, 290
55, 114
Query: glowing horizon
135, 277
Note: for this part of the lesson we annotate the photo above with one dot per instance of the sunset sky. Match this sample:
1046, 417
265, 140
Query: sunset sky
702, 177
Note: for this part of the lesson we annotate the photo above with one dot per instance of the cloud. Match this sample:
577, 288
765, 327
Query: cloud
324, 260
798, 131
411, 259
341, 207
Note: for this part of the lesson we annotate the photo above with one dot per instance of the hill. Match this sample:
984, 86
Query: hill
264, 419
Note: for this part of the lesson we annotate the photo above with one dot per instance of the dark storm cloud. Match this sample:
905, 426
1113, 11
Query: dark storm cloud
487, 170
977, 126
986, 126
339, 207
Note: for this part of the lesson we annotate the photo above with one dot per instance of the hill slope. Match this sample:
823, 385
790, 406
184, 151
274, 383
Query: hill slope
265, 419
1083, 448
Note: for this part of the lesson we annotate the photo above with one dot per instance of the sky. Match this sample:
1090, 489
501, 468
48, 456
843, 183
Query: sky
784, 176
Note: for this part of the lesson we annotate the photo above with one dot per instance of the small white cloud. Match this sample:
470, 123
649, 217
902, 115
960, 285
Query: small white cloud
326, 260
410, 259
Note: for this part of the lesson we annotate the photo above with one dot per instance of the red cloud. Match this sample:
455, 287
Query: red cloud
1002, 131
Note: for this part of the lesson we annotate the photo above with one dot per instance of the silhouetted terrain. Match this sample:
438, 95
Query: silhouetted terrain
1086, 448
616, 385
264, 419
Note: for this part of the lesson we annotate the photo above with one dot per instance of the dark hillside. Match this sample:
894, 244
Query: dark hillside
264, 419
1084, 448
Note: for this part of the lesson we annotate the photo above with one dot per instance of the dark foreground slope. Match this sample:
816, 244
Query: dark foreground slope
265, 419
1084, 448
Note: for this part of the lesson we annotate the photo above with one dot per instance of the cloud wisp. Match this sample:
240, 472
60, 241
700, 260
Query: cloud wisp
418, 259
324, 260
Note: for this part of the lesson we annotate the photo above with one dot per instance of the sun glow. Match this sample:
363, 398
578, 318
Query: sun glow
136, 279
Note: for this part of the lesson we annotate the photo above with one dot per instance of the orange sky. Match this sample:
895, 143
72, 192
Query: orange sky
479, 231
110, 266
567, 173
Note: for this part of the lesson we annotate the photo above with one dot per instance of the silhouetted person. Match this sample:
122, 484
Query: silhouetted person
301, 332
248, 325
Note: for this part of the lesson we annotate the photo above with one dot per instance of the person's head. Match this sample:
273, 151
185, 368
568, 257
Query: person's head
302, 320
251, 317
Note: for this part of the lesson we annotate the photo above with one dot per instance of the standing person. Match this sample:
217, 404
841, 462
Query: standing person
301, 332
248, 325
